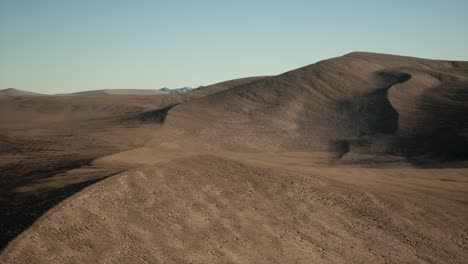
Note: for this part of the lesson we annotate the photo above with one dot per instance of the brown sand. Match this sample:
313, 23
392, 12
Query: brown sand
48, 144
356, 159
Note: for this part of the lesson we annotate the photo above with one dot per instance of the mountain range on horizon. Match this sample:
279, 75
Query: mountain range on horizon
164, 90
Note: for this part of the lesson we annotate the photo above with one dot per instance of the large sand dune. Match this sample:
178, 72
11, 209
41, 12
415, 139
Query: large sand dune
358, 103
356, 159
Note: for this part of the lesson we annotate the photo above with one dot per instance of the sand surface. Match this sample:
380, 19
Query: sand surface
356, 159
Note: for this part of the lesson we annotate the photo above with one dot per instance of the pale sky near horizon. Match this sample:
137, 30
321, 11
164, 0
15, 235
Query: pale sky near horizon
58, 46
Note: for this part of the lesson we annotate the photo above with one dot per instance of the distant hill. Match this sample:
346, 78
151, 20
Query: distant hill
176, 90
119, 92
200, 91
17, 92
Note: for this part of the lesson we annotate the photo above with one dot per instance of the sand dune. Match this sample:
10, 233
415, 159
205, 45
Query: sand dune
17, 92
357, 159
358, 103
207, 209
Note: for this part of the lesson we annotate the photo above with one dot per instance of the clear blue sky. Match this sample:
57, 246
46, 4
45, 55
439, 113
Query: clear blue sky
58, 46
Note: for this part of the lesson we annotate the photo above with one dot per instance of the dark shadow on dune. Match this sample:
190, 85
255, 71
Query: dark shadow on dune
369, 117
340, 147
439, 138
443, 135
437, 150
369, 114
20, 210
152, 116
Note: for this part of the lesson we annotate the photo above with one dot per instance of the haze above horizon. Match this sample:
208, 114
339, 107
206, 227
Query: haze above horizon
54, 46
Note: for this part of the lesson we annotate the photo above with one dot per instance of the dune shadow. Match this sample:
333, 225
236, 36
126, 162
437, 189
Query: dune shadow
157, 116
437, 138
21, 209
370, 117
442, 134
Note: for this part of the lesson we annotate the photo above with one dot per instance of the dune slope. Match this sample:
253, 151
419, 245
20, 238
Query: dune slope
208, 209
